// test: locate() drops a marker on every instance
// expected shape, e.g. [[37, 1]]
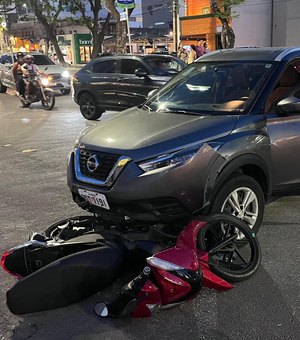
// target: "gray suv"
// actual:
[[222, 135]]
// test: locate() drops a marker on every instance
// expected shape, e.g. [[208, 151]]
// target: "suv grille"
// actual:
[[106, 164], [56, 76]]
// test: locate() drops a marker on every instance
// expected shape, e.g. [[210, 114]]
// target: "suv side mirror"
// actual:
[[139, 72], [151, 93], [289, 105]]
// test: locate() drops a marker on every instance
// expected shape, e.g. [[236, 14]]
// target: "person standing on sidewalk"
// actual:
[[200, 48], [192, 54]]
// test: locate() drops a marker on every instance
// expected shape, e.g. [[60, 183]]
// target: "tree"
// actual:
[[93, 23], [223, 11], [47, 13], [121, 38], [121, 33], [6, 6]]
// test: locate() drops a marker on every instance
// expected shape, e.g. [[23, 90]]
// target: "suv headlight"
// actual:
[[172, 160], [168, 161], [65, 74]]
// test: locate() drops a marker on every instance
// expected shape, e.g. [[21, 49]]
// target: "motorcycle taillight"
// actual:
[[3, 259]]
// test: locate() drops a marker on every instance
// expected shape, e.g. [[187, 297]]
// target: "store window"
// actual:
[[85, 53], [205, 10]]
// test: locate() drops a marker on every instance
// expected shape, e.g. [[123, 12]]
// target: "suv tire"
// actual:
[[65, 91], [234, 192], [3, 88], [88, 107]]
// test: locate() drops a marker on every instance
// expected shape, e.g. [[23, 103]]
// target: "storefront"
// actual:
[[82, 47]]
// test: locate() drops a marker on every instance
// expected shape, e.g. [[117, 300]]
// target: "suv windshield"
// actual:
[[211, 87], [40, 59], [164, 66]]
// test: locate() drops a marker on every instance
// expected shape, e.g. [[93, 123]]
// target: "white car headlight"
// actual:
[[65, 74], [168, 161]]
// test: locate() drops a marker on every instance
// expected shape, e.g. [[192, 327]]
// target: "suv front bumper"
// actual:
[[165, 196]]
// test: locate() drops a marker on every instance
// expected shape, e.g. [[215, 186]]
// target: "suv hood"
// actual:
[[139, 134], [52, 69]]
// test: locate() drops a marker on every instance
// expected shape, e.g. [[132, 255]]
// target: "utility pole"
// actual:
[[175, 24]]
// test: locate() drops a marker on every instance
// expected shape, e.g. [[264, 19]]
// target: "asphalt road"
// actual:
[[34, 146]]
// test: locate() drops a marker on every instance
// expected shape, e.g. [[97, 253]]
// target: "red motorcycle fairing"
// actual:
[[177, 274]]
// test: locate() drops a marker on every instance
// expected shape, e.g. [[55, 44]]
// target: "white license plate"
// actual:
[[94, 198]]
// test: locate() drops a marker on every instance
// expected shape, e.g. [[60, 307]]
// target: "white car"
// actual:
[[58, 76]]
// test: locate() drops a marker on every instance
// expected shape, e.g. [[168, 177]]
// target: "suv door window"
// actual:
[[105, 66], [128, 66], [287, 82]]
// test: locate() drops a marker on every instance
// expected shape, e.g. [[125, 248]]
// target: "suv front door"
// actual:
[[133, 90], [103, 82], [284, 133]]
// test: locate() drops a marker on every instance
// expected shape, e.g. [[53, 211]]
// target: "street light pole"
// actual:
[[175, 24]]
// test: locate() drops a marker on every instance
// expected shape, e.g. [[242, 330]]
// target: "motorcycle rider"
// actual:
[[18, 74], [30, 69]]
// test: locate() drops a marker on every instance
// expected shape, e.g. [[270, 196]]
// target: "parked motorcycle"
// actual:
[[39, 92], [79, 256]]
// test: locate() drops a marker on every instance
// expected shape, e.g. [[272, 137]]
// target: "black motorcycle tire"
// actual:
[[208, 239], [25, 103], [50, 102], [3, 88]]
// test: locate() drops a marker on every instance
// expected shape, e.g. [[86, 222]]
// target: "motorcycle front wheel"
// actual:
[[49, 102], [233, 249]]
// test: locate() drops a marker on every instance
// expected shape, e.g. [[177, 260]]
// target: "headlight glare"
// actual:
[[45, 81], [65, 74]]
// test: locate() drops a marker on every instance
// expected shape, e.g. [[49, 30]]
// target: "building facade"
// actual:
[[258, 23]]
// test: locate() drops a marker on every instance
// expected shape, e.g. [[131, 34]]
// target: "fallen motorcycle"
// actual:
[[77, 257], [38, 91]]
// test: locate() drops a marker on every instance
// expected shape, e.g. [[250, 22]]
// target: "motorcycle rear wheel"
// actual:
[[25, 103], [232, 257], [49, 102]]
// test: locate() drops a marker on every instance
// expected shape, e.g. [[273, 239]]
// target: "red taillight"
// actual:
[[3, 259]]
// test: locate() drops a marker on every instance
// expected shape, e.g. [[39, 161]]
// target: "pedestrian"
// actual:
[[18, 74], [182, 54], [200, 48], [206, 49], [192, 54]]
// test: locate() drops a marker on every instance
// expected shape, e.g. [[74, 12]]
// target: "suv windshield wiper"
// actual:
[[145, 106], [178, 111]]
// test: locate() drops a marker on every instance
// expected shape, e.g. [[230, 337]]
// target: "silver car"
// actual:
[[58, 76]]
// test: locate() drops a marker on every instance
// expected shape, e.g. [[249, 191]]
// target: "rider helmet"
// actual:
[[20, 55], [28, 57]]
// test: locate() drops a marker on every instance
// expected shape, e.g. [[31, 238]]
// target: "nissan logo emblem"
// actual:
[[92, 163]]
